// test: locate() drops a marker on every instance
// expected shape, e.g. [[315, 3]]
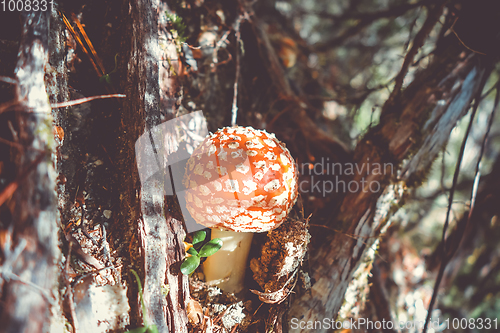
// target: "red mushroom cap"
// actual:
[[241, 179]]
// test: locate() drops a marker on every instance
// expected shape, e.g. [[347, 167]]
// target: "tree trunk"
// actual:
[[161, 249], [148, 232], [364, 213], [29, 244]]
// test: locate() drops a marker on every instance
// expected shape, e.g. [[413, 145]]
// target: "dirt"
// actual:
[[281, 257], [277, 261], [88, 197]]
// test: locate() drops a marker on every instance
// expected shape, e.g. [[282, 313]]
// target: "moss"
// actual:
[[178, 29]]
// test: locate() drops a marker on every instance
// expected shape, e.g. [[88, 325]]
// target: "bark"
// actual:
[[148, 232], [30, 249], [160, 234], [379, 299], [414, 125], [444, 91]]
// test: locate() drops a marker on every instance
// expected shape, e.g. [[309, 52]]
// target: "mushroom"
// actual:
[[238, 181]]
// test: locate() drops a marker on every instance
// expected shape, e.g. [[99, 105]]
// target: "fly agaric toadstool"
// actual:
[[238, 181]]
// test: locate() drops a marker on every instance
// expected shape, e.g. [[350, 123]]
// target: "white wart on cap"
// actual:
[[241, 179]]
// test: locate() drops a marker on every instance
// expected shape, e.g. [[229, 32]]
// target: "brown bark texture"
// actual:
[[389, 144], [147, 230], [29, 246], [160, 234]]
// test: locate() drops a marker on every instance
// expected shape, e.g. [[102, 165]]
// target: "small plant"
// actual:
[[147, 328], [177, 28], [199, 250], [106, 77]]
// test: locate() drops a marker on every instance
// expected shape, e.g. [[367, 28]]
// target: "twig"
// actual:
[[282, 112], [385, 13], [79, 41], [355, 237], [9, 80], [234, 108], [364, 20], [221, 41], [447, 256], [418, 41], [15, 101], [68, 103], [262, 303], [11, 276], [106, 252], [84, 100], [19, 146], [234, 328], [69, 291], [89, 43], [354, 98], [460, 40], [489, 91], [477, 175], [12, 187], [95, 271], [86, 258], [410, 32], [443, 173], [15, 135], [107, 154], [6, 269]]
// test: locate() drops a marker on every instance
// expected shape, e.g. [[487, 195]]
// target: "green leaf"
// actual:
[[190, 264], [105, 78], [153, 329], [139, 289], [199, 237], [211, 247], [138, 330], [192, 251]]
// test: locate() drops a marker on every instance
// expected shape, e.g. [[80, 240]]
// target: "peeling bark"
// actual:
[[391, 142]]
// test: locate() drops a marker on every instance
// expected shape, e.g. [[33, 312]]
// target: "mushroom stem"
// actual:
[[226, 268]]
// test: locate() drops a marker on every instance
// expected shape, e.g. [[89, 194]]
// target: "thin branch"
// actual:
[[385, 13], [73, 33], [364, 20], [418, 41], [234, 108], [489, 91], [219, 44], [445, 255], [339, 39], [354, 97], [477, 175], [9, 80], [460, 40], [7, 274], [20, 146], [69, 293], [9, 190], [89, 43], [410, 32], [84, 100]]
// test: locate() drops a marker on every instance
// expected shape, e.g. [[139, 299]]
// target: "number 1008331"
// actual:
[[26, 5]]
